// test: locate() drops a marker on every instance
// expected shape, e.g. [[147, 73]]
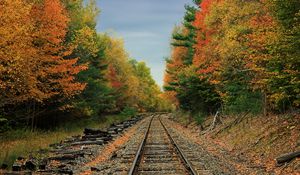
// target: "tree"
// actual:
[[97, 98], [274, 53], [174, 65], [186, 36], [194, 94], [35, 67], [205, 59], [148, 90], [39, 39], [55, 70], [121, 75], [18, 82], [181, 81], [228, 25]]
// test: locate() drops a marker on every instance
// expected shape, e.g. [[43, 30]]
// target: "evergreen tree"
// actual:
[[187, 36], [194, 94]]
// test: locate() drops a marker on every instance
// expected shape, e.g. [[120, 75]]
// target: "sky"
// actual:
[[146, 27]]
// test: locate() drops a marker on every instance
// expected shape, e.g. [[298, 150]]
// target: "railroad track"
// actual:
[[158, 153], [68, 155], [156, 147]]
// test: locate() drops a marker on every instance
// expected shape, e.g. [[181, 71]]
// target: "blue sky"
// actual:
[[145, 26]]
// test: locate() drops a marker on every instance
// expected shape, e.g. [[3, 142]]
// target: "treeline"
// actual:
[[53, 63], [236, 56]]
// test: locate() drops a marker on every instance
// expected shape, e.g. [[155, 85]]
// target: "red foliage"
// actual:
[[112, 78], [202, 59], [264, 35]]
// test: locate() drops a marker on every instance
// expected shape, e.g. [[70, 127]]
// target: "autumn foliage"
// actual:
[[54, 63], [248, 50], [203, 56], [34, 64]]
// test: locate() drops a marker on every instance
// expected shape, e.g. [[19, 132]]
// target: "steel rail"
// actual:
[[138, 155], [187, 163]]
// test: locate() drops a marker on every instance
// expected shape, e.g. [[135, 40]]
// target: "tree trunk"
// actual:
[[265, 104], [287, 157]]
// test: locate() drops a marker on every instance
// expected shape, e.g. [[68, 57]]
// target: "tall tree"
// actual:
[[274, 53], [186, 37], [174, 65], [57, 72], [18, 82], [121, 75], [205, 59], [90, 49], [193, 92], [228, 23], [148, 90]]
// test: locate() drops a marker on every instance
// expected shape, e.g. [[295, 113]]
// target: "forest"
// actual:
[[55, 65], [233, 75], [234, 57], [59, 75], [238, 60]]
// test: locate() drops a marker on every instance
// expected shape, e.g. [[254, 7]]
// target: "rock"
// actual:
[[111, 132], [86, 137], [94, 169], [120, 126], [83, 147], [30, 165], [88, 131], [20, 158], [114, 155], [61, 166], [65, 171], [4, 166], [17, 166], [70, 140], [56, 145], [43, 164], [107, 138]]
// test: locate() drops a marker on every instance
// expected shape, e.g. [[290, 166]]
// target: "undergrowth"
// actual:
[[23, 142]]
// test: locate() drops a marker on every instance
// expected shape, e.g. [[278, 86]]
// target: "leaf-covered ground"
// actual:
[[256, 141]]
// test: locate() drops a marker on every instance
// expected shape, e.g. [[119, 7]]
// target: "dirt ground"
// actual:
[[253, 142]]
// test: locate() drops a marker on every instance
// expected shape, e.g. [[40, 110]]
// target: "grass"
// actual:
[[24, 142], [263, 137], [182, 117]]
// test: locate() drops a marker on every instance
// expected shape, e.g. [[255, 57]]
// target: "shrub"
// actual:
[[199, 118], [128, 112], [3, 124]]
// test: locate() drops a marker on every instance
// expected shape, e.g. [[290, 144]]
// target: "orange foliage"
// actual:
[[171, 97], [18, 82], [264, 35], [33, 63], [112, 78], [203, 58], [51, 21], [175, 65]]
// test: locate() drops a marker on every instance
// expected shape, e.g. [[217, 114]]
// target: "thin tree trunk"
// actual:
[[265, 104], [33, 116]]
